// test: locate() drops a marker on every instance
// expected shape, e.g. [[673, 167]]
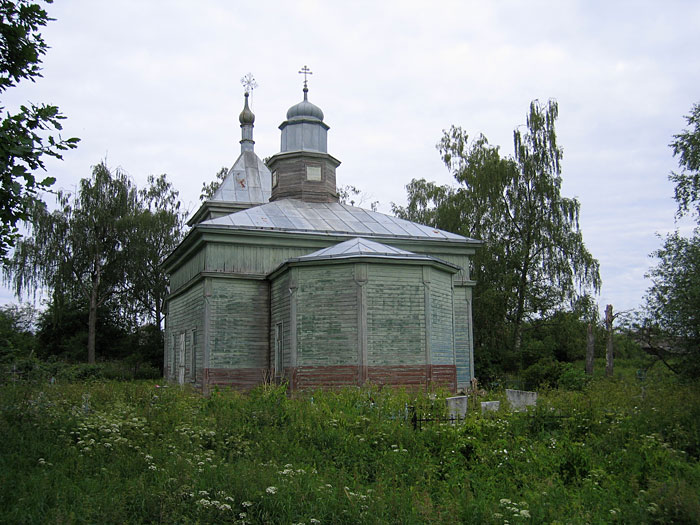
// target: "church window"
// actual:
[[313, 173], [274, 179]]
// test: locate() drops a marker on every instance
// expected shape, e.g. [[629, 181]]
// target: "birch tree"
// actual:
[[534, 259], [80, 248]]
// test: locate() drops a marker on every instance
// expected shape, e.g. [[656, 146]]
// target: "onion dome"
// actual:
[[246, 116], [305, 109]]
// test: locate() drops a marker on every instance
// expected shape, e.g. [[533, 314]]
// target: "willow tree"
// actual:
[[80, 248], [534, 260]]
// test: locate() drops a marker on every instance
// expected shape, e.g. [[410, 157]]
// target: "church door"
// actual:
[[181, 360]]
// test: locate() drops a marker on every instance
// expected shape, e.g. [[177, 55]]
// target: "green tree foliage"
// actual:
[[671, 327], [686, 146], [534, 260], [17, 331], [158, 227], [79, 250], [209, 189], [670, 324], [24, 142]]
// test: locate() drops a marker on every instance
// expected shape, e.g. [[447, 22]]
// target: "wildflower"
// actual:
[[505, 501], [203, 493], [314, 520], [271, 490], [204, 502], [247, 504], [225, 507], [242, 515], [42, 461], [152, 467], [525, 513]]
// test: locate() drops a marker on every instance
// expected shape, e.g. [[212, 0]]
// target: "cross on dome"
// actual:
[[249, 83], [305, 71]]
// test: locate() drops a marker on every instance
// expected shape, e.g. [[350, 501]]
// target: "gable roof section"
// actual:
[[358, 250], [355, 247], [295, 216]]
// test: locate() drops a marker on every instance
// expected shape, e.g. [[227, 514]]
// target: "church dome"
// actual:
[[246, 116], [305, 109]]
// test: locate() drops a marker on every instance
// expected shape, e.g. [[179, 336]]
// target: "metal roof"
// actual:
[[292, 215], [248, 180], [364, 248], [355, 247]]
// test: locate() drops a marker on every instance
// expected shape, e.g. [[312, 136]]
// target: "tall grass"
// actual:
[[619, 451]]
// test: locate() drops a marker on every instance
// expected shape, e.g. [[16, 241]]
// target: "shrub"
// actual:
[[544, 372], [572, 377]]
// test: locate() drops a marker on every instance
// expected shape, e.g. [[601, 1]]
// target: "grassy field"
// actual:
[[619, 451]]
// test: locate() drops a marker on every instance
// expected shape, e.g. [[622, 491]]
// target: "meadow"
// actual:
[[615, 450]]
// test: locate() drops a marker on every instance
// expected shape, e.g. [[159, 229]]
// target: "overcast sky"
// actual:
[[154, 87]]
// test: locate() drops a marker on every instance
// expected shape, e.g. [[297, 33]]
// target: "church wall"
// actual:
[[395, 316], [246, 258], [280, 316], [326, 316], [188, 271], [326, 327], [238, 332], [185, 324], [463, 335], [441, 329]]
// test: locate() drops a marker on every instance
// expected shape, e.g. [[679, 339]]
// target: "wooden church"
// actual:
[[278, 281]]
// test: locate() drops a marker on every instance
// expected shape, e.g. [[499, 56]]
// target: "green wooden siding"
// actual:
[[395, 315], [326, 316], [463, 335], [185, 315], [245, 258], [239, 317], [279, 313], [188, 271], [441, 341]]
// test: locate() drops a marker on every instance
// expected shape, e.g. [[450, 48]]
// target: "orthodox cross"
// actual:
[[249, 83], [305, 71]]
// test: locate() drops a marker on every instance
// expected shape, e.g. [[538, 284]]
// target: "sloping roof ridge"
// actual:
[[293, 215], [358, 246]]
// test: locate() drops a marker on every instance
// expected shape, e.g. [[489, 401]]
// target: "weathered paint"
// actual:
[[185, 322], [463, 336], [367, 316], [239, 320], [395, 315], [326, 316]]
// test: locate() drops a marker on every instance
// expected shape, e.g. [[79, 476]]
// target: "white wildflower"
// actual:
[[247, 504], [271, 490]]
